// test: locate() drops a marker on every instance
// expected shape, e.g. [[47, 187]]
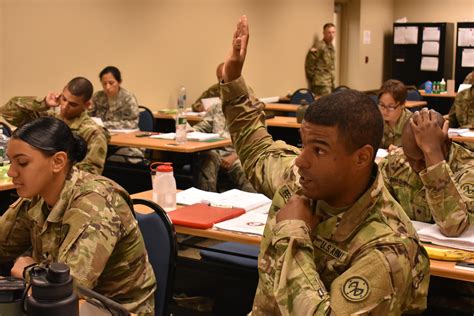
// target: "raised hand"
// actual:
[[429, 136], [52, 99], [235, 61]]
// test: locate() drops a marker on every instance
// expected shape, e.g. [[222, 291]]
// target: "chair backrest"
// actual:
[[146, 120], [341, 88], [413, 94], [302, 94], [161, 245], [374, 98], [7, 131]]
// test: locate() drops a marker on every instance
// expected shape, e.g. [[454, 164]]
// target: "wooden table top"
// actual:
[[438, 95], [130, 140], [6, 184], [445, 269]]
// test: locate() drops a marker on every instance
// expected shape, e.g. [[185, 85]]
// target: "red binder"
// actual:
[[203, 216]]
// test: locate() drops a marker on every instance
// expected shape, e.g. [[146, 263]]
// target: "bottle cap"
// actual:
[[164, 168]]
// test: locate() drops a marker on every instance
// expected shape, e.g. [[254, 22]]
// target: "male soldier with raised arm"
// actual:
[[72, 103], [432, 178], [335, 241]]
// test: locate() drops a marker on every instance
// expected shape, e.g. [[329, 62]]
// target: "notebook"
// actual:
[[202, 215]]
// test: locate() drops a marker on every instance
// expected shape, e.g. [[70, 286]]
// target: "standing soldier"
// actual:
[[319, 64]]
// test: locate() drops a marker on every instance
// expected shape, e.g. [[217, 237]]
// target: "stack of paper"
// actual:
[[198, 136], [250, 223], [463, 132], [430, 233], [123, 130], [164, 136], [232, 198]]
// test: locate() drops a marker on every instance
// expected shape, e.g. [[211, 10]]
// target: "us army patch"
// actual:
[[285, 193], [330, 249], [356, 289]]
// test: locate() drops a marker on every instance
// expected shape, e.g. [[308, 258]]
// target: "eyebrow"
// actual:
[[19, 155]]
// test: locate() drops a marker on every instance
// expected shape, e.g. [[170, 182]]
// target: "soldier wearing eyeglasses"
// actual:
[[392, 97]]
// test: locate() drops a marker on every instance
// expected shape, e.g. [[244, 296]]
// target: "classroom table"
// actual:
[[445, 269], [131, 140], [438, 95], [6, 184], [440, 102]]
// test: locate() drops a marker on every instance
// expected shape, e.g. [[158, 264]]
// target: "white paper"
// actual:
[[467, 59], [467, 134], [270, 99], [234, 198], [199, 136], [381, 153], [430, 48], [457, 131], [464, 86], [465, 37], [249, 223], [123, 130], [405, 35], [208, 102], [164, 136], [429, 63], [430, 233], [431, 34]]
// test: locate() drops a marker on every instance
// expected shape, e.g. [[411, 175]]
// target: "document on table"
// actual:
[[250, 223], [123, 130], [430, 233], [232, 198], [463, 132]]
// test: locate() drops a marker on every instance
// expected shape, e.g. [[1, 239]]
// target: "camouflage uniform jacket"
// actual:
[[214, 122], [120, 112], [469, 77], [366, 259], [212, 92], [461, 113], [20, 110], [393, 136], [320, 64], [443, 193], [91, 229]]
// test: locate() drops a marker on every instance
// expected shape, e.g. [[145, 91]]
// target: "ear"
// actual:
[[59, 161], [88, 104], [363, 157]]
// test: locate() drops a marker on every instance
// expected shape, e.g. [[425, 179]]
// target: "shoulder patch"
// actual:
[[356, 289], [285, 193], [468, 189]]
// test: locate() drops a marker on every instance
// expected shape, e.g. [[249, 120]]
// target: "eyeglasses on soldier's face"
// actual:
[[389, 107]]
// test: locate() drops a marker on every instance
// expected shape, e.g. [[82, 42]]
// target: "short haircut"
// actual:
[[81, 87], [50, 135], [408, 131], [356, 116], [396, 88], [328, 25], [111, 70]]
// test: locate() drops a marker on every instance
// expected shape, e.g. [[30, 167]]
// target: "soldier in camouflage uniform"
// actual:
[[432, 178], [469, 78], [461, 114], [71, 216], [319, 63], [392, 96], [118, 109], [225, 159], [72, 104], [335, 242]]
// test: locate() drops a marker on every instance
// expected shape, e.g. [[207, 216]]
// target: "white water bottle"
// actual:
[[181, 117], [164, 187]]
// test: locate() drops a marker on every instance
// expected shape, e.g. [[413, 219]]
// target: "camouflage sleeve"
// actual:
[[15, 236], [127, 116], [94, 161], [20, 110], [207, 122], [374, 283], [451, 203], [453, 120], [310, 64], [384, 170], [87, 248], [268, 164]]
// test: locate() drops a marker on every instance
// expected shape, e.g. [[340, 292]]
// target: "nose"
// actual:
[[11, 172], [301, 161]]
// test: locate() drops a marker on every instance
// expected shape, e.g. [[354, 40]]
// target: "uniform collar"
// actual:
[[357, 213], [76, 122], [62, 204]]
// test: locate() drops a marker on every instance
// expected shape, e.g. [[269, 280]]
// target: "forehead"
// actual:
[[17, 147], [108, 77], [330, 29], [387, 97], [71, 97], [319, 133]]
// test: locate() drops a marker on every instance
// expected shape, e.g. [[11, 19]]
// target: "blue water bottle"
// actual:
[[428, 87]]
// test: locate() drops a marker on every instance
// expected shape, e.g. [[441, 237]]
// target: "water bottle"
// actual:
[[181, 117], [164, 185], [428, 87], [52, 292]]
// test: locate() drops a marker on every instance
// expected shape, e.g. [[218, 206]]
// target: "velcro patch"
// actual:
[[356, 289]]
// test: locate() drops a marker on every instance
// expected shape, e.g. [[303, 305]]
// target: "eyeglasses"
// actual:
[[390, 107]]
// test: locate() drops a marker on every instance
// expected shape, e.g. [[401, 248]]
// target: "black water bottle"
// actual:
[[52, 292]]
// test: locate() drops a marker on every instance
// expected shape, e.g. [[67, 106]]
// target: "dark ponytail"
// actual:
[[51, 135]]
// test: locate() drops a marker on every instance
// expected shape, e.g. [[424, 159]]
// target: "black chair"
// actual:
[[302, 94], [374, 98], [341, 88], [7, 131], [160, 241], [413, 94], [146, 120]]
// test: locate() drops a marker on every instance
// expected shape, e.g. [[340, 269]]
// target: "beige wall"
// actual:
[[435, 10], [158, 44]]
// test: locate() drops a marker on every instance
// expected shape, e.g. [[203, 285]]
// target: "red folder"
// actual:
[[203, 216]]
